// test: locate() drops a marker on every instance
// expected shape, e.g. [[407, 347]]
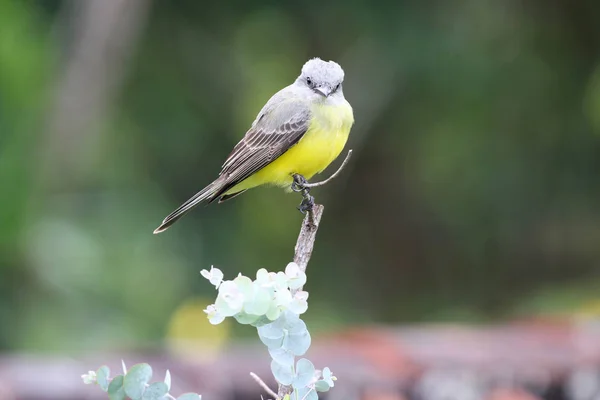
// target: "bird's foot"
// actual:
[[298, 185], [307, 204]]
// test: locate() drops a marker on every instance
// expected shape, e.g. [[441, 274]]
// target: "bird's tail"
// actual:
[[208, 194]]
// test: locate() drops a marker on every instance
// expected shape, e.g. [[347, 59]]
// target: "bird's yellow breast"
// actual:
[[321, 144]]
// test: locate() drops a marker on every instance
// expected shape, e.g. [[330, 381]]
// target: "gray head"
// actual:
[[323, 77]]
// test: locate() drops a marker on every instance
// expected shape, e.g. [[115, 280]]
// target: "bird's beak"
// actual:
[[323, 91]]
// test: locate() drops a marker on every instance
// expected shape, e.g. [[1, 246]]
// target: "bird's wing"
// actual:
[[280, 125], [275, 131]]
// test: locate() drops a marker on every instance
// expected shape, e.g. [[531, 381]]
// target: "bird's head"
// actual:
[[322, 77]]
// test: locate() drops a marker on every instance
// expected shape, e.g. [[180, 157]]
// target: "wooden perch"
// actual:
[[302, 253], [306, 238]]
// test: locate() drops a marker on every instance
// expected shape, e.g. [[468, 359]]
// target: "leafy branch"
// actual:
[[272, 303], [134, 384]]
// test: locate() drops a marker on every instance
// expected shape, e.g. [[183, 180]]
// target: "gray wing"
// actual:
[[282, 122], [279, 126]]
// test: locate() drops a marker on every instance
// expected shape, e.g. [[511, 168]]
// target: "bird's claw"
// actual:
[[307, 204], [298, 185]]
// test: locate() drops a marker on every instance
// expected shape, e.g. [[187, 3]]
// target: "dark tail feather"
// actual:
[[209, 193], [226, 197]]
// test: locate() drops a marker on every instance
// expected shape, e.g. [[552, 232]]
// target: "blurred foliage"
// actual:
[[474, 184], [134, 384], [192, 336]]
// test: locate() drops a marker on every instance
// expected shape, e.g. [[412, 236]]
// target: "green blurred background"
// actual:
[[473, 194]]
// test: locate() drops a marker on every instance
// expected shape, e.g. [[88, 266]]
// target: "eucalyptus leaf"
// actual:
[[245, 286], [297, 343], [328, 377], [305, 373], [271, 335], [282, 356], [136, 379], [260, 303], [245, 318], [322, 386], [102, 375], [274, 313], [284, 374], [293, 324], [155, 391], [115, 388], [288, 320], [225, 309], [263, 320]]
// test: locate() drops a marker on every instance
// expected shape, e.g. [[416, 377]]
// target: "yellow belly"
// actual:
[[322, 143]]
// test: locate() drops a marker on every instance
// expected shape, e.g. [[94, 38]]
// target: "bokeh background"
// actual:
[[472, 198]]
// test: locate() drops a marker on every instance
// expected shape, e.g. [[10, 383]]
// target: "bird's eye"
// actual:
[[337, 87], [309, 81]]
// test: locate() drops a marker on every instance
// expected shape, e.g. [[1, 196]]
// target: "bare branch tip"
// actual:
[[262, 384]]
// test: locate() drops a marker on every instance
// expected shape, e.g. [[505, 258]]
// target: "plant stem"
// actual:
[[302, 254]]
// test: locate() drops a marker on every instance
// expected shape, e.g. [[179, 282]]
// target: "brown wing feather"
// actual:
[[258, 148], [282, 122]]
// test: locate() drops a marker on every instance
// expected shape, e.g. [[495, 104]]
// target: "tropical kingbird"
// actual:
[[300, 131]]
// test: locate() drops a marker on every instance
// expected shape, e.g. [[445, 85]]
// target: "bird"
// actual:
[[297, 134]]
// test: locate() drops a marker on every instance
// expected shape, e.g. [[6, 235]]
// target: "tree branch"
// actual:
[[263, 385], [302, 254], [307, 236]]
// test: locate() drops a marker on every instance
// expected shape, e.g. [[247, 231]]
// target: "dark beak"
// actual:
[[323, 91]]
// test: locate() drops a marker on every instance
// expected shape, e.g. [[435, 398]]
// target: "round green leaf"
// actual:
[[245, 318], [322, 386], [115, 388], [102, 377], [293, 323], [284, 374], [155, 391], [271, 335], [263, 320], [136, 379], [260, 303], [273, 313], [328, 377], [305, 372], [297, 281], [297, 342], [245, 285], [282, 356], [289, 320], [189, 396]]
